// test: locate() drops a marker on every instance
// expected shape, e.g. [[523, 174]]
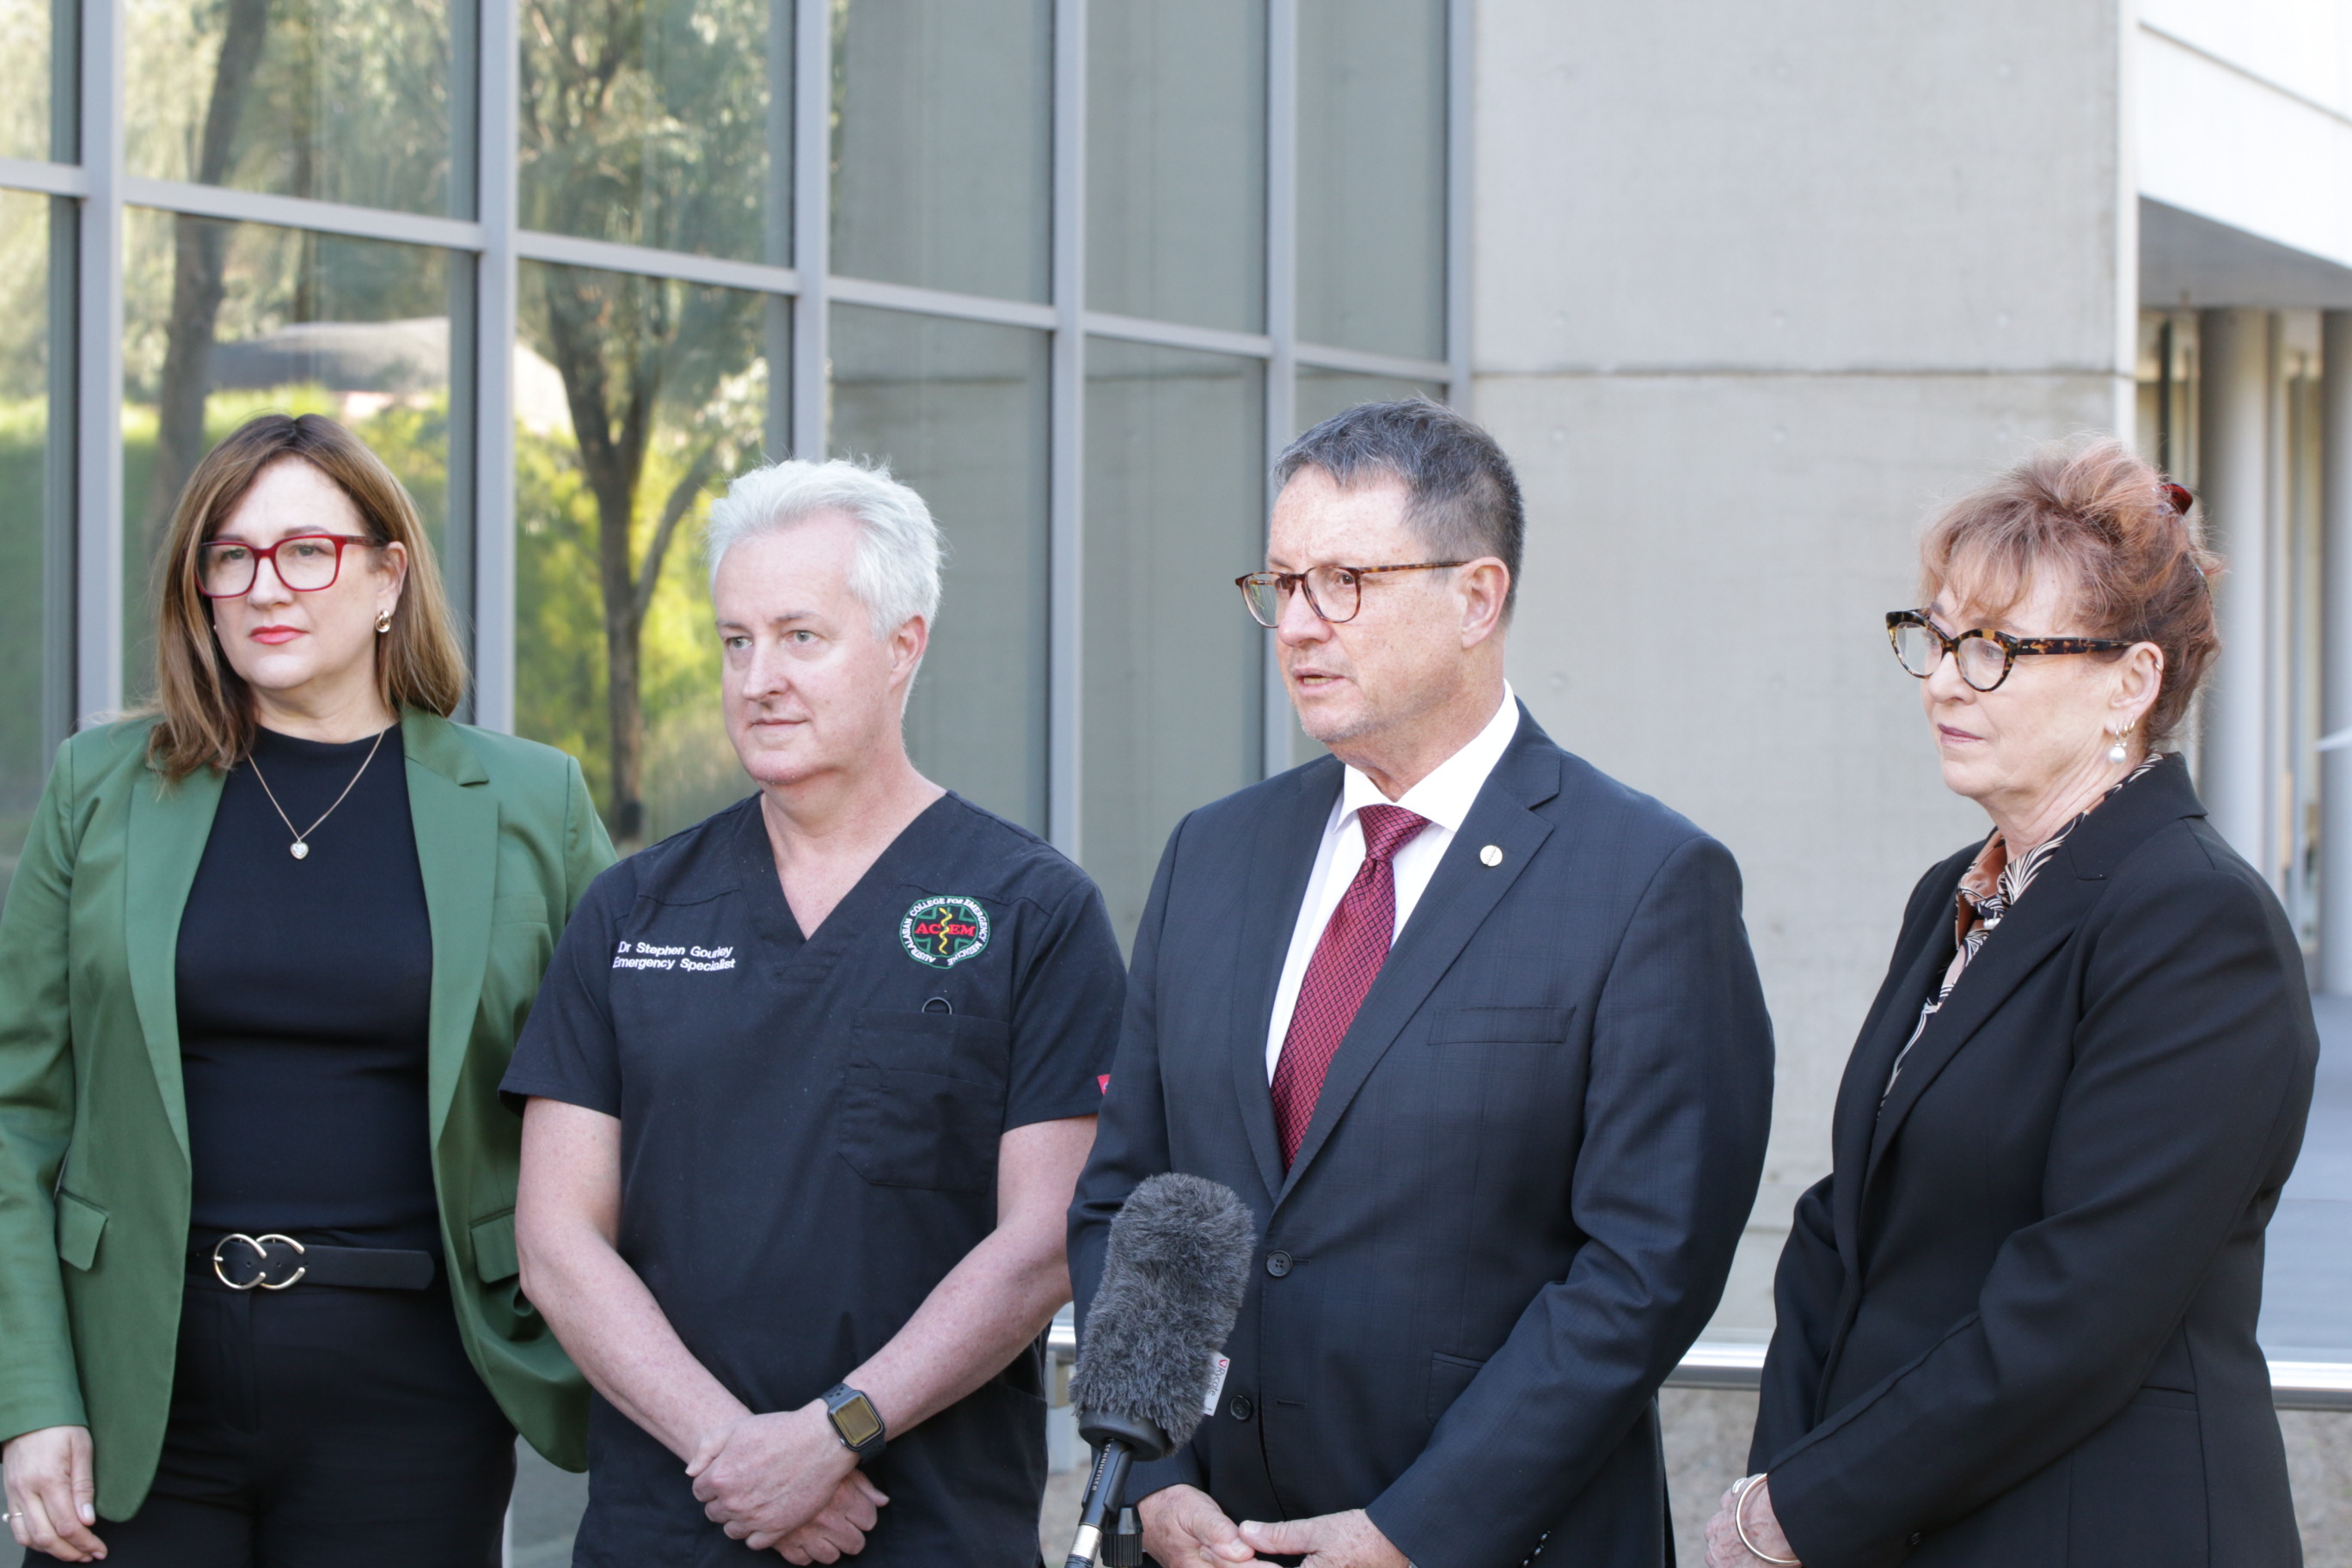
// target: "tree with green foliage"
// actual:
[[263, 124], [198, 278], [644, 122], [652, 374]]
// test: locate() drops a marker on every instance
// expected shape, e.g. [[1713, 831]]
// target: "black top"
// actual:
[[809, 1138], [305, 988], [2016, 1323]]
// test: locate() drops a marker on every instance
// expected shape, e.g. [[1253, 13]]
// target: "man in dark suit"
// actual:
[[1475, 1031]]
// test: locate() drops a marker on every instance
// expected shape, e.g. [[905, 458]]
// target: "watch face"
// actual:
[[856, 1421]]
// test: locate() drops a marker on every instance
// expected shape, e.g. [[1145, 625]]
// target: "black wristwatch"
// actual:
[[855, 1421]]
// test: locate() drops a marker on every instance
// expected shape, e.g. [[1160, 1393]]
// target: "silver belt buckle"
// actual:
[[261, 1246]]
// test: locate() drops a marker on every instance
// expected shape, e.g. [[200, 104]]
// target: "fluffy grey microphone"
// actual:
[[1173, 1277], [1173, 1281]]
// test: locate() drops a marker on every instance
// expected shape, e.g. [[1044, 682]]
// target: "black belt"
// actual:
[[276, 1262]]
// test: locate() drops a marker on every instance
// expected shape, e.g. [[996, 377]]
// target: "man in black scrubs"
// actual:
[[808, 1088]]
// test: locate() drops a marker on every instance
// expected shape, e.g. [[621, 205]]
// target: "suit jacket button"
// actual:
[[1917, 1538], [1277, 1264], [1241, 1408]]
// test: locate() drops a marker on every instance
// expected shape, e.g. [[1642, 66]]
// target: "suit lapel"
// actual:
[[169, 825], [2043, 919], [455, 819], [1458, 900], [2046, 916], [1282, 857], [1929, 942]]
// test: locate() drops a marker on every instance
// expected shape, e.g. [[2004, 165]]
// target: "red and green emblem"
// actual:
[[941, 932]]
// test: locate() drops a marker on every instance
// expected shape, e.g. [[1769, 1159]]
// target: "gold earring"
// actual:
[[382, 622], [2115, 752]]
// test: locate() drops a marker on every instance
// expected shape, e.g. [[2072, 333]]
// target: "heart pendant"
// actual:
[[299, 850]]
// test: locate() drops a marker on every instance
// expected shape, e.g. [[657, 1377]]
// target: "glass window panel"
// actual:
[[348, 101], [636, 400], [943, 149], [957, 410], [1174, 666], [227, 321], [660, 122], [35, 526], [1324, 393], [1371, 175], [29, 108], [1176, 160]]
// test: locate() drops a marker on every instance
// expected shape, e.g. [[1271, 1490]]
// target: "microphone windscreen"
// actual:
[[1174, 1277]]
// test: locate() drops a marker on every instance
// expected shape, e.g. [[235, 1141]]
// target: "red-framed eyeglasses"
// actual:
[[306, 563]]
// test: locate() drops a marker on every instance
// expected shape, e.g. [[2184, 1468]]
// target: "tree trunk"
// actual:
[[612, 462], [199, 249], [624, 710]]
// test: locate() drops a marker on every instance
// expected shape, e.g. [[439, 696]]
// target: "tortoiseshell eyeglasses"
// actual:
[[1985, 656], [1334, 593]]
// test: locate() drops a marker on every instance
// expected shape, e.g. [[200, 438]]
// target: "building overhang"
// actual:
[[2190, 262]]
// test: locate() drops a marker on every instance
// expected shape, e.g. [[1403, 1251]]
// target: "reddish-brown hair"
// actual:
[[206, 709], [2106, 524]]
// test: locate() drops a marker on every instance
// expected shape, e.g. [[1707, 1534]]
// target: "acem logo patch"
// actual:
[[941, 932]]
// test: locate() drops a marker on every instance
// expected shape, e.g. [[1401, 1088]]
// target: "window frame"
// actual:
[[88, 53]]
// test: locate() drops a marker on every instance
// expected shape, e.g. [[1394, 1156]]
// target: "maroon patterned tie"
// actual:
[[1347, 960]]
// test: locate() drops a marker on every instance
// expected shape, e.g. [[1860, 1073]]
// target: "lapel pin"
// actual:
[[1491, 855]]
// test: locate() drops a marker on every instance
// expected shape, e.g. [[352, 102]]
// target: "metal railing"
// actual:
[[1723, 1364]]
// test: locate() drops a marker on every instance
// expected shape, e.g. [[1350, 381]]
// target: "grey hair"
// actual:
[[896, 575], [1462, 499]]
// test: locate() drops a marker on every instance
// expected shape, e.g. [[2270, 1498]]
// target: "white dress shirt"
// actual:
[[1444, 798]]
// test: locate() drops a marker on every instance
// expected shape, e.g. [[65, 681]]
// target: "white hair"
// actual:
[[895, 573]]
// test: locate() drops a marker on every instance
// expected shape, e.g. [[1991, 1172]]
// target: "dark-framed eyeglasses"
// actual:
[[1985, 656], [305, 562], [1334, 593]]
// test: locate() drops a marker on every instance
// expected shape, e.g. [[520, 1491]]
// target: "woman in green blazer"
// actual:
[[261, 966]]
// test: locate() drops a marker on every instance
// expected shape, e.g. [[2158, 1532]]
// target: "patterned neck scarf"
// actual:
[[1989, 890]]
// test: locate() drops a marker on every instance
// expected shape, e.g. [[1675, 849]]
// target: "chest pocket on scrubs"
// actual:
[[923, 1099]]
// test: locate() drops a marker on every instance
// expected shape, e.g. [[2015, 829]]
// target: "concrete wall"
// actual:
[[1755, 286]]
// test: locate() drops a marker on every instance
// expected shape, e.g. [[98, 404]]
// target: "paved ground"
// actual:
[[2307, 1292], [547, 1504]]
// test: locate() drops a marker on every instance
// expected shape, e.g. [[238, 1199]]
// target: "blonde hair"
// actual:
[[205, 709]]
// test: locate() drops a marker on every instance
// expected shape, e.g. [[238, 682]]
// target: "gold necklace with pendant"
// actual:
[[301, 848]]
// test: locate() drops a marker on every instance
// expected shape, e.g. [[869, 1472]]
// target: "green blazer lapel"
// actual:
[[455, 817], [168, 827]]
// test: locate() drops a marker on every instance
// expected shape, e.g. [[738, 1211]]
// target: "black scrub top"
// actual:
[[809, 1136]]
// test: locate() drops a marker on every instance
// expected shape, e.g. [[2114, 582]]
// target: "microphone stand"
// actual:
[[1119, 1441]]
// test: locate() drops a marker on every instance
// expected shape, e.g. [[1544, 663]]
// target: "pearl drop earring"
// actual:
[[2115, 752]]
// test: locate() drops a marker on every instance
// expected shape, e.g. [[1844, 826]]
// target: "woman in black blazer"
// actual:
[[2017, 1321]]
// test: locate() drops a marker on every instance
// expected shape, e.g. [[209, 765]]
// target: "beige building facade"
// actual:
[[1756, 288]]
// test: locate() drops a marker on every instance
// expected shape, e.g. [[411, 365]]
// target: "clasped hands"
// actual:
[[1185, 1528], [785, 1481]]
